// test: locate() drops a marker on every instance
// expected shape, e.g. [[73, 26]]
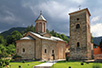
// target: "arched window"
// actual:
[[23, 50], [52, 51], [45, 50], [77, 26], [78, 44], [77, 19]]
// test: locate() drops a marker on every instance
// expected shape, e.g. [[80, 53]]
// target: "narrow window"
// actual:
[[23, 50], [77, 26], [78, 45], [77, 19], [45, 50], [52, 51]]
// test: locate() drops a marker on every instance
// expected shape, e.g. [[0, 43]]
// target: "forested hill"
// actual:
[[24, 30], [97, 40], [8, 32]]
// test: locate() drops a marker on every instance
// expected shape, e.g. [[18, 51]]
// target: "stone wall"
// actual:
[[28, 46], [49, 46], [98, 56], [38, 46], [58, 47], [81, 35]]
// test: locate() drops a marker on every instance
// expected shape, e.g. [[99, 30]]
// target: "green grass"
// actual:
[[24, 65], [75, 64]]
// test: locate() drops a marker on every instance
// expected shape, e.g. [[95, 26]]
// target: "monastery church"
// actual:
[[40, 45]]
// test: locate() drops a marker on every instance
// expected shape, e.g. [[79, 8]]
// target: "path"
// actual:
[[46, 65]]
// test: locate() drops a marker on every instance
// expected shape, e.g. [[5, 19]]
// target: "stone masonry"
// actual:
[[80, 38]]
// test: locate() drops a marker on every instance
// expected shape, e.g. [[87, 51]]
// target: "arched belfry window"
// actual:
[[77, 26], [78, 44]]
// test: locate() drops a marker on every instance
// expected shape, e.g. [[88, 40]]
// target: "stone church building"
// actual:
[[80, 36], [40, 45]]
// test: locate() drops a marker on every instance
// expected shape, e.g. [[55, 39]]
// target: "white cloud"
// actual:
[[96, 30], [78, 1], [94, 19]]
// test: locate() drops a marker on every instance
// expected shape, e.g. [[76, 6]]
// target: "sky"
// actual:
[[23, 13]]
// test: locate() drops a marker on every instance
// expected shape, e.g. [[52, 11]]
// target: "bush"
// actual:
[[82, 63], [7, 62], [23, 61], [12, 60], [16, 56], [33, 59], [19, 66], [69, 67], [3, 63]]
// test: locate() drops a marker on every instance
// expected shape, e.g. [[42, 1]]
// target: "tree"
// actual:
[[15, 35], [11, 49], [47, 31], [2, 40], [3, 52], [52, 32], [29, 28]]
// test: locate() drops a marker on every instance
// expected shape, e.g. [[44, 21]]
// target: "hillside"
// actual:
[[8, 32], [97, 40]]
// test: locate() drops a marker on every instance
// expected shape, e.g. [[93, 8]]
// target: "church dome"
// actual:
[[40, 17]]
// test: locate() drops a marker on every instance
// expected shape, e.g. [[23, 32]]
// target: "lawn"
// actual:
[[24, 65], [74, 64]]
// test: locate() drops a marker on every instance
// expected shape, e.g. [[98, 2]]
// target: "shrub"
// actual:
[[23, 61], [19, 66], [3, 63], [82, 63], [33, 59], [7, 62], [16, 56], [12, 60]]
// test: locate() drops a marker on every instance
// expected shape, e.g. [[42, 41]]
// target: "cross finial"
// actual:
[[79, 7], [40, 12]]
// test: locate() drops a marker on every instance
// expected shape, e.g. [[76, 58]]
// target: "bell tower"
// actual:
[[80, 37], [40, 26]]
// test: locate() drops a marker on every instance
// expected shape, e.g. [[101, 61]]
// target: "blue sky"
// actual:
[[21, 13]]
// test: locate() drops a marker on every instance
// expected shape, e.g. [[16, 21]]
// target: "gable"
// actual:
[[46, 35], [33, 36]]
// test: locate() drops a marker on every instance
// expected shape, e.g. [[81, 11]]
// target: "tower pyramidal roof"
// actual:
[[40, 17]]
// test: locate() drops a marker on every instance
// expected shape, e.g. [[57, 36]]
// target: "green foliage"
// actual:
[[11, 49], [29, 28], [7, 62], [16, 56], [2, 40], [24, 65], [15, 35], [3, 52], [12, 60], [3, 63], [23, 61]]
